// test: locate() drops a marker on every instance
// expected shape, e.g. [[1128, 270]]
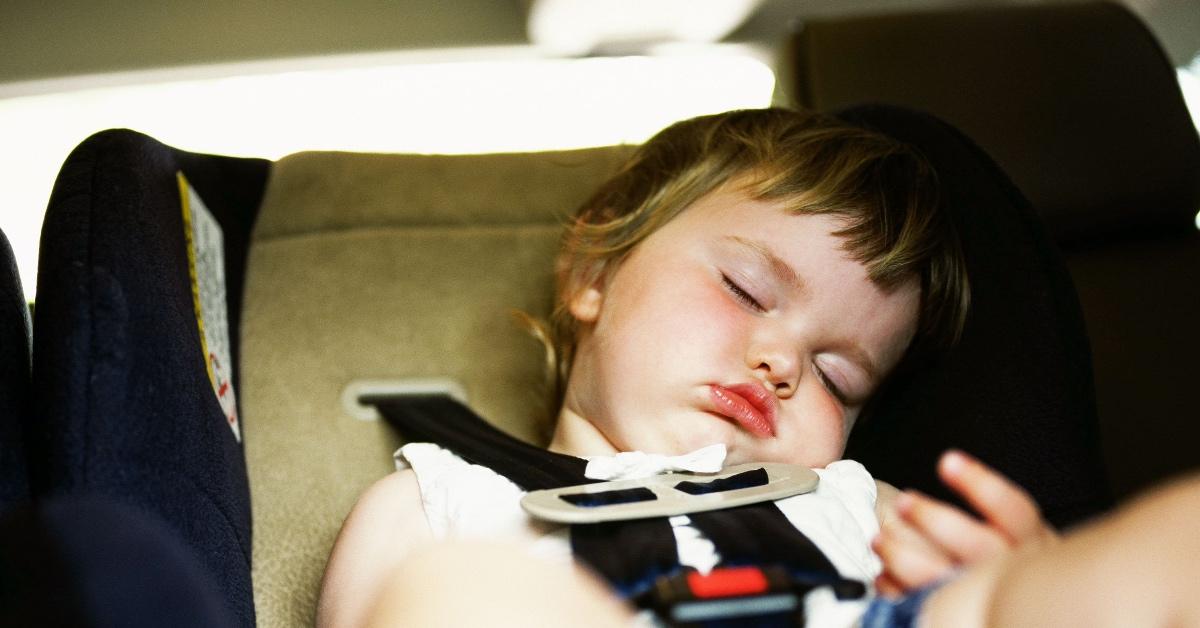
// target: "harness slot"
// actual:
[[746, 479], [608, 498]]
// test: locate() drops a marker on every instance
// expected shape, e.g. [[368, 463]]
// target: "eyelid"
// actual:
[[850, 380], [777, 268], [740, 293], [829, 384]]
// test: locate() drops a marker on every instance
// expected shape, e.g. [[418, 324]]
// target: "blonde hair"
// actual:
[[885, 191]]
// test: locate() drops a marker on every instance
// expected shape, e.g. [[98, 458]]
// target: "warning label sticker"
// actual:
[[206, 267]]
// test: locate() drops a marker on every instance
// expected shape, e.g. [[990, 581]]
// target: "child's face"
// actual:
[[736, 323]]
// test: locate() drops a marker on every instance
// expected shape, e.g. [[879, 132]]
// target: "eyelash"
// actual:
[[740, 294], [829, 385]]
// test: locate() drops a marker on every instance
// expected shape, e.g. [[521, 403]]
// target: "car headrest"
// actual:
[[1077, 102]]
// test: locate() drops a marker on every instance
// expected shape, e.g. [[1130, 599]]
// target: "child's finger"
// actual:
[[898, 531], [1004, 504], [886, 586], [956, 533], [909, 564]]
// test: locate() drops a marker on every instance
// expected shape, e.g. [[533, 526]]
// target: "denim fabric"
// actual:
[[899, 612]]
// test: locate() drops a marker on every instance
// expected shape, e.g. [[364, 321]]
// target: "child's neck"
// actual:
[[576, 436]]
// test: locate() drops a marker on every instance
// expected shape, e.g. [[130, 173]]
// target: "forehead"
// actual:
[[762, 226]]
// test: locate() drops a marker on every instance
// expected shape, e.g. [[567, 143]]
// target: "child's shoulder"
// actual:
[[384, 526], [460, 498], [439, 470], [389, 504]]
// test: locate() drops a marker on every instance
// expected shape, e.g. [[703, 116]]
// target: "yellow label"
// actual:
[[206, 271]]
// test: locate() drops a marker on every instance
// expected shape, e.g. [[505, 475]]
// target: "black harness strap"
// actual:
[[749, 535], [760, 533], [442, 420], [649, 543], [647, 551]]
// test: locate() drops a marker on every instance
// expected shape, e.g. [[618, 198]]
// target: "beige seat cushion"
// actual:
[[385, 267]]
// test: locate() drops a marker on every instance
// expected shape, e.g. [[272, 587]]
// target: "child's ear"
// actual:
[[585, 305]]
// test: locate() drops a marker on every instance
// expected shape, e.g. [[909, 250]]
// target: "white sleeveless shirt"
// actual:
[[468, 501]]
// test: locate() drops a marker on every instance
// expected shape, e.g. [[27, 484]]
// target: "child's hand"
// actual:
[[930, 539]]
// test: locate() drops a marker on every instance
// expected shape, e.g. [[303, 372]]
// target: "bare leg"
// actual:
[[492, 584]]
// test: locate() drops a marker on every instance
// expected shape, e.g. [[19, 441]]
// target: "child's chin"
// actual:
[[714, 431], [735, 454]]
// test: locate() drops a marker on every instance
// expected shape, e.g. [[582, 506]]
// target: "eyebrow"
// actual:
[[779, 268], [788, 275]]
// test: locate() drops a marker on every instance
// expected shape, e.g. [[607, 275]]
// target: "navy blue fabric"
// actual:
[[15, 397], [901, 612], [1017, 391], [92, 562], [121, 387]]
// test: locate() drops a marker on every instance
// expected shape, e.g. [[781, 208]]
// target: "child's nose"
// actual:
[[779, 369]]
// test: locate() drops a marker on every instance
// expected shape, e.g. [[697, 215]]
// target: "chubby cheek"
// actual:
[[696, 321], [821, 437], [715, 318]]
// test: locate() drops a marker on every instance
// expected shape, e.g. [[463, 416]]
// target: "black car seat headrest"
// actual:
[[1017, 389]]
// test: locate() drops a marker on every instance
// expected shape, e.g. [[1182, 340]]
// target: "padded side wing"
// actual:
[[121, 379], [15, 397]]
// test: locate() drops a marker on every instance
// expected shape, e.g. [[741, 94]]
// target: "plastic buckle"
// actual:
[[733, 596], [667, 495]]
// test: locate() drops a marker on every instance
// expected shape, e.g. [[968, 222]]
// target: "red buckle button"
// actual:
[[728, 582]]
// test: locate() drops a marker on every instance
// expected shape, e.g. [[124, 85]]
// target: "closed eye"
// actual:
[[741, 295], [830, 386]]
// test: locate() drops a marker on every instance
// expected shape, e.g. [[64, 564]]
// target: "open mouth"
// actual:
[[749, 405]]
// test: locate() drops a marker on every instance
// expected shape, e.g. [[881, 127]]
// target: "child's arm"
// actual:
[[385, 525], [495, 584], [1135, 568], [885, 500], [928, 540]]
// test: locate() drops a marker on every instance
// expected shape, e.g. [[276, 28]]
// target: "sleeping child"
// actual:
[[735, 294]]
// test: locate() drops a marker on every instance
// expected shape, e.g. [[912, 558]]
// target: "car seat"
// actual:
[[1079, 104], [15, 342], [93, 560], [125, 404], [353, 278], [369, 273], [378, 272]]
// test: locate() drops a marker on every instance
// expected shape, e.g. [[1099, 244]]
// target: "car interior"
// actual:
[[1067, 156]]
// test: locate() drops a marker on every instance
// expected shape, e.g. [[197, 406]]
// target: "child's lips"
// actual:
[[749, 405]]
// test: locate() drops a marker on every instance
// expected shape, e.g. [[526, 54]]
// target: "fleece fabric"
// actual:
[[125, 407]]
